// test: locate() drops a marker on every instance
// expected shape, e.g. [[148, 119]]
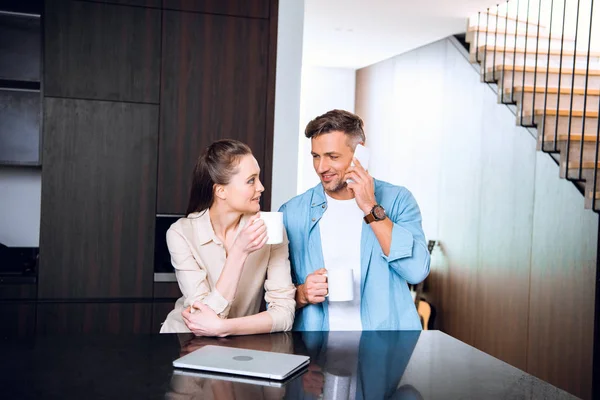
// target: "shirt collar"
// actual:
[[205, 229], [318, 196]]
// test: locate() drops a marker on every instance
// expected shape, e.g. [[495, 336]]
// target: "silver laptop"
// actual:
[[250, 380], [230, 360]]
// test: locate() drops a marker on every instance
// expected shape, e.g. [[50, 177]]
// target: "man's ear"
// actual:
[[219, 191]]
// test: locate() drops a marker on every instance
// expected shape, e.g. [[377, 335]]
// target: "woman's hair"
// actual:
[[216, 165]]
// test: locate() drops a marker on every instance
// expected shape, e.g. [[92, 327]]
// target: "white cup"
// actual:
[[336, 387], [340, 284], [274, 223]]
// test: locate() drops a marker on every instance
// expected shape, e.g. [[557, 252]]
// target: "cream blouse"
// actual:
[[198, 257]]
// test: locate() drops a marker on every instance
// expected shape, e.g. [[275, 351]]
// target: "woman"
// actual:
[[219, 252]]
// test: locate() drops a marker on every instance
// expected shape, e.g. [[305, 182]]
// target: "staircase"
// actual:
[[543, 58]]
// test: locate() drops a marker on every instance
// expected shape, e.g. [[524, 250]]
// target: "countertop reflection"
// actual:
[[344, 365]]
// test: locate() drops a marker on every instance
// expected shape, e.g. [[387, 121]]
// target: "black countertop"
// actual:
[[348, 365]]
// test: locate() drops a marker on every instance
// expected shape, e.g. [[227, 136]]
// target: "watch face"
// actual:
[[379, 212]]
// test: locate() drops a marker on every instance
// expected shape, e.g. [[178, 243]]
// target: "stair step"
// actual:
[[489, 55], [527, 99], [558, 123], [554, 90], [514, 77], [566, 113], [575, 137], [498, 43], [587, 170], [541, 51], [584, 165], [489, 19], [589, 143], [471, 35], [513, 18], [543, 69]]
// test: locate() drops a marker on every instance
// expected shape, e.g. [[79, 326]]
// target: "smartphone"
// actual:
[[361, 153]]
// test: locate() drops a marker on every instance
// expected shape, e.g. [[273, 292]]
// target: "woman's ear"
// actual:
[[219, 191]]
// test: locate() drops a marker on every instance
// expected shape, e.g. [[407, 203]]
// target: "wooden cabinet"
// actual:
[[246, 8], [214, 85], [17, 309], [98, 199], [133, 91], [101, 51], [94, 318], [140, 3]]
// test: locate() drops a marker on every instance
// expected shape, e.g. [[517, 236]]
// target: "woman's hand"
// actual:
[[204, 321], [252, 237]]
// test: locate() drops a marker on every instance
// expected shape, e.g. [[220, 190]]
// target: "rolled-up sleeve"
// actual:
[[192, 277], [279, 290], [409, 255]]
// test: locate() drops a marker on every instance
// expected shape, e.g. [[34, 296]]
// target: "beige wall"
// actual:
[[515, 277]]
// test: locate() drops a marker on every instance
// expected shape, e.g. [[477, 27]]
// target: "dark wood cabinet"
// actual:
[[132, 94], [214, 85], [94, 318], [166, 290], [17, 309], [101, 51], [247, 8], [139, 3], [98, 199], [18, 318]]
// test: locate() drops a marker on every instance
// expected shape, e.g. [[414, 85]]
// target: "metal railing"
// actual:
[[573, 17]]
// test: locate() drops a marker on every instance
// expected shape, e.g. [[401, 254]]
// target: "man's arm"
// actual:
[[408, 254], [400, 235]]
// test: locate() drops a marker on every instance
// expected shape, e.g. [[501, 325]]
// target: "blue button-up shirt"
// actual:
[[386, 302]]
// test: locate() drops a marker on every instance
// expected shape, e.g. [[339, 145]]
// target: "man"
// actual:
[[368, 225]]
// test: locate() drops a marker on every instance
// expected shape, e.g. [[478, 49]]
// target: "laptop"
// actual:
[[187, 373], [230, 360]]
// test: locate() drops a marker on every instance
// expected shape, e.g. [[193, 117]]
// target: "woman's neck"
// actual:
[[224, 220]]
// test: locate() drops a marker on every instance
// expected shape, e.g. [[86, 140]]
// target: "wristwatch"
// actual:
[[377, 214]]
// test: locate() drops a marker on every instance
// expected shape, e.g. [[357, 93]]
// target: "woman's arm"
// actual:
[[252, 237], [192, 277], [280, 291], [205, 322]]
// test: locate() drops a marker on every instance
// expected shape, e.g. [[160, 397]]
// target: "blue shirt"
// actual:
[[386, 302]]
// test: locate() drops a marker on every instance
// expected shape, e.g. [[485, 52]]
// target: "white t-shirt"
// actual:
[[340, 228]]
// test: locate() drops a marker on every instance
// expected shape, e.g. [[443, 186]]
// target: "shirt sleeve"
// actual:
[[409, 255], [192, 277], [279, 290]]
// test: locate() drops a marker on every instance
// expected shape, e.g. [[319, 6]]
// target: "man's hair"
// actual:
[[337, 120]]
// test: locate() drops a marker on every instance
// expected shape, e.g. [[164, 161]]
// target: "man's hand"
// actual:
[[313, 290], [204, 321], [314, 380], [363, 186]]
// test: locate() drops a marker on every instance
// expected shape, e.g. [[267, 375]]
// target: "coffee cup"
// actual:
[[274, 223], [340, 284]]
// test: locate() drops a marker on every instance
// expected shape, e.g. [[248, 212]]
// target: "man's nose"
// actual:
[[322, 166]]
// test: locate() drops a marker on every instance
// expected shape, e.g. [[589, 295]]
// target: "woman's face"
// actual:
[[243, 191]]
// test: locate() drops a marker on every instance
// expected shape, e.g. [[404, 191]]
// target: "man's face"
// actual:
[[332, 156]]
